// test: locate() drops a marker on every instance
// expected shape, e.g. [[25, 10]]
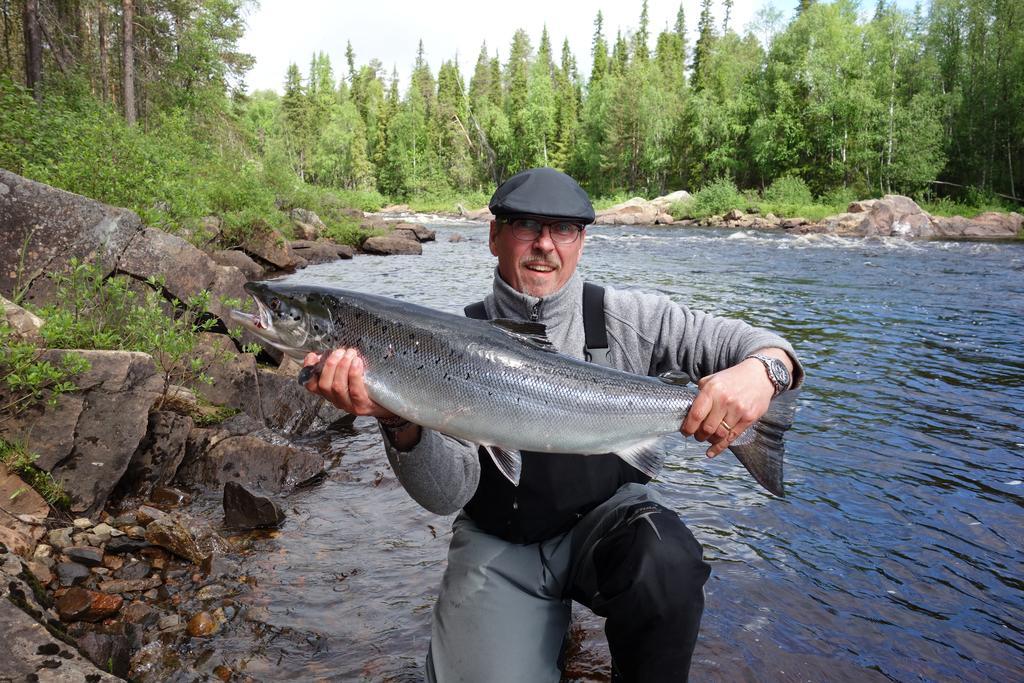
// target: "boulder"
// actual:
[[861, 206], [248, 460], [399, 208], [734, 215], [419, 232], [664, 219], [88, 439], [235, 258], [666, 201], [18, 498], [43, 228], [990, 225], [307, 223], [635, 211], [156, 460], [391, 245], [270, 246], [246, 510], [34, 654], [321, 251], [483, 214]]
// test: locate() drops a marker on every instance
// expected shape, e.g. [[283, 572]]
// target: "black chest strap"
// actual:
[[594, 330]]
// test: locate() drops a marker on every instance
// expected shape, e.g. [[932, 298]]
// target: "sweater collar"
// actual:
[[559, 305]]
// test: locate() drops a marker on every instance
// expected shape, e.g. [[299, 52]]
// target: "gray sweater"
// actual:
[[648, 334]]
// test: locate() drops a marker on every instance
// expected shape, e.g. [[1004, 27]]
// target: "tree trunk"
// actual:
[[128, 55], [104, 55], [33, 49]]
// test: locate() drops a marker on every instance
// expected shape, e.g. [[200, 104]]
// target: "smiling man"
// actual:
[[577, 527]]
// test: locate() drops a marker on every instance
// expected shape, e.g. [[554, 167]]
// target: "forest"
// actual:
[[142, 103]]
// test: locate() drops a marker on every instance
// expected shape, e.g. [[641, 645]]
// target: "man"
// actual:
[[577, 527]]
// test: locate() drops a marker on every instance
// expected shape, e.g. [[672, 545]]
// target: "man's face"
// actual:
[[539, 267]]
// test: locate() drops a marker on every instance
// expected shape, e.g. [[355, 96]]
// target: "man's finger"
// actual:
[[698, 411]]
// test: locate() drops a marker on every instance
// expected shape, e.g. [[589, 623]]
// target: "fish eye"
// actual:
[[275, 304]]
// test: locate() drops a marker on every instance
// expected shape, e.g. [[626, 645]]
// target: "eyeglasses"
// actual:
[[529, 229]]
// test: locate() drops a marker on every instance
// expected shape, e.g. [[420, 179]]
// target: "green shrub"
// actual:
[[28, 379], [715, 198], [788, 190], [95, 312]]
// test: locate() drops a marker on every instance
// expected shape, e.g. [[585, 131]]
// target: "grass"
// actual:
[[21, 462]]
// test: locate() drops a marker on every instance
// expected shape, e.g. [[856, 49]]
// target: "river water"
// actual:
[[897, 553]]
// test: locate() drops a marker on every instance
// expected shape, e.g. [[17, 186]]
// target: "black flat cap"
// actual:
[[542, 192]]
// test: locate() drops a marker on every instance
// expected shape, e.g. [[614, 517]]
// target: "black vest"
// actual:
[[555, 489]]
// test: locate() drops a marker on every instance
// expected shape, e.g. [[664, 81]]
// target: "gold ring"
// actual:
[[727, 426]]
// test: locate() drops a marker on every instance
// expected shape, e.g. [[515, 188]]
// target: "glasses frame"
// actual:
[[515, 223]]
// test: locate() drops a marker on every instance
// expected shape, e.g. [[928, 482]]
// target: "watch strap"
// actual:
[[772, 367]]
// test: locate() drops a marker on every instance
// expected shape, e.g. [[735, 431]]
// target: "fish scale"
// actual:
[[497, 383]]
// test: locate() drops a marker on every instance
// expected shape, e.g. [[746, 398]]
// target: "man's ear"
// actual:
[[493, 236]]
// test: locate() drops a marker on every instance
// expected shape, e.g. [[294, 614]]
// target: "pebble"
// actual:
[[82, 523], [124, 520], [87, 555], [202, 625], [211, 592], [152, 594], [43, 550], [31, 519], [71, 573], [137, 532], [60, 538], [168, 622]]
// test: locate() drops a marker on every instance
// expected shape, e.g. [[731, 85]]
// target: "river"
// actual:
[[897, 553]]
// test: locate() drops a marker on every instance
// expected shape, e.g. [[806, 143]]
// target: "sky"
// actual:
[[281, 32]]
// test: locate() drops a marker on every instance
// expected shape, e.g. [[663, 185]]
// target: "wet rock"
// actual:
[[126, 544], [79, 604], [175, 538], [214, 591], [246, 510], [251, 461], [202, 625], [168, 496], [156, 460], [218, 565], [147, 514], [71, 573], [87, 440], [32, 654], [112, 652], [414, 231], [133, 570], [130, 585], [391, 245], [141, 614], [85, 555], [455, 237]]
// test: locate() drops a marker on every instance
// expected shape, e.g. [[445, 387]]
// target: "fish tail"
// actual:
[[761, 452]]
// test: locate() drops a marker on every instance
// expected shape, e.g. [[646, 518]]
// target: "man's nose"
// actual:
[[543, 239]]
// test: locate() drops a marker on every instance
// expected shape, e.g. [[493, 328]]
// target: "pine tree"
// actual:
[[599, 51]]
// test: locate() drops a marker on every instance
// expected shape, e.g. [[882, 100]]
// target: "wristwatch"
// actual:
[[778, 374]]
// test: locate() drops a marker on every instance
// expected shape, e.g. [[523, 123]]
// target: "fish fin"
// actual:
[[761, 452], [509, 463], [308, 372], [644, 457], [532, 334], [675, 377]]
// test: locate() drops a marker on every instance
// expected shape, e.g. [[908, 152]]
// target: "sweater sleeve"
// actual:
[[670, 336], [440, 473]]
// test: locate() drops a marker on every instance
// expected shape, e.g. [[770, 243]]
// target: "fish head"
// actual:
[[286, 318]]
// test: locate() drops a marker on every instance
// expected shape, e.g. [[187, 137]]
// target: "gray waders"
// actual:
[[503, 611]]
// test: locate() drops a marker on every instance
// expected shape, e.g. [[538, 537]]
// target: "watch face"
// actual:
[[779, 373]]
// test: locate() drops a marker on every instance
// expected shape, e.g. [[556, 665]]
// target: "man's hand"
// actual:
[[728, 402], [341, 383]]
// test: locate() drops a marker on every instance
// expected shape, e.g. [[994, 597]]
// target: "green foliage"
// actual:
[[96, 312], [17, 459], [28, 379], [715, 198], [788, 190]]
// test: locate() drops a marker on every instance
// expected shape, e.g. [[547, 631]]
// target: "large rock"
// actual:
[[159, 454], [18, 498], [636, 211], [32, 654], [307, 224], [174, 537], [88, 439], [248, 460], [270, 246], [990, 225], [665, 202], [420, 233], [246, 510], [80, 604], [483, 214], [322, 251], [43, 228], [391, 245], [238, 259]]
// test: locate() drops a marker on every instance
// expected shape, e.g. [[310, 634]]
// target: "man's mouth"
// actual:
[[540, 267]]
